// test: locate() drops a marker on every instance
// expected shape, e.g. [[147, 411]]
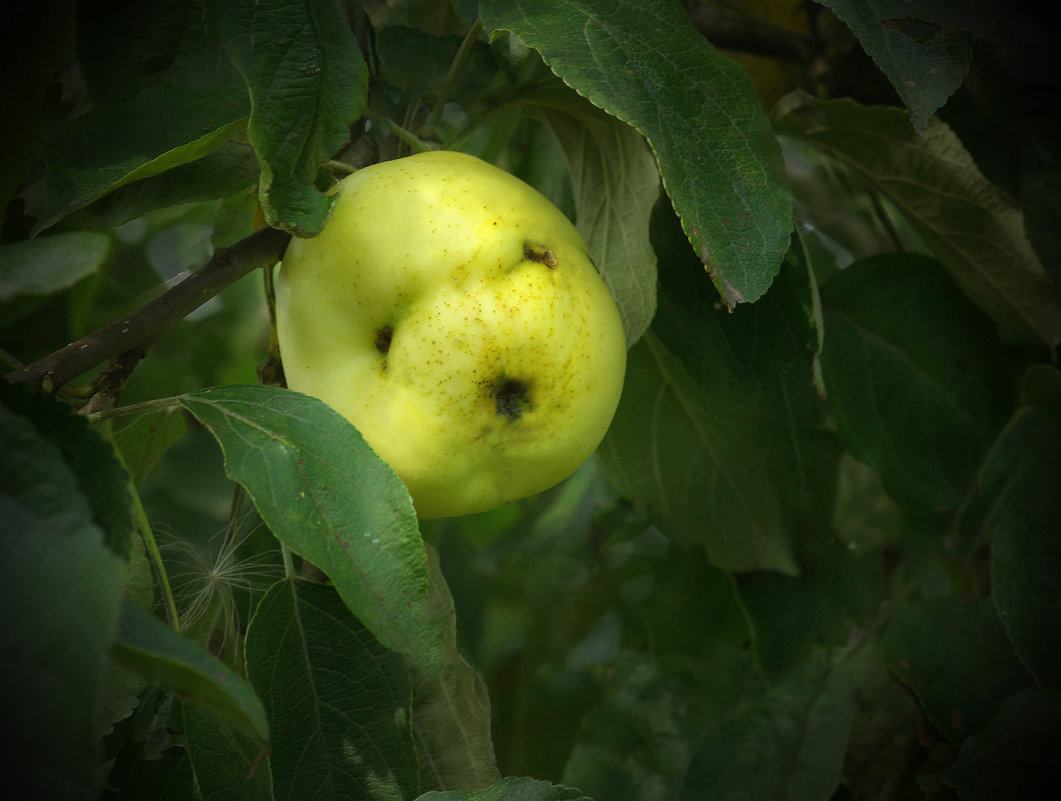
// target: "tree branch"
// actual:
[[141, 328]]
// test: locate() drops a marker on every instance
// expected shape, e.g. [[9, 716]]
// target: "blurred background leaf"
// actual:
[[1018, 480], [972, 227], [689, 456], [915, 376], [924, 48], [1014, 756], [939, 647], [788, 743]]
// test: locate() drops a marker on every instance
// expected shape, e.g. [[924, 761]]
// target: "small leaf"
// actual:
[[616, 185], [971, 226], [511, 789], [696, 461], [923, 51], [788, 744], [940, 647], [330, 499], [145, 440], [644, 63], [915, 376], [36, 268], [148, 646], [307, 83], [1014, 757]]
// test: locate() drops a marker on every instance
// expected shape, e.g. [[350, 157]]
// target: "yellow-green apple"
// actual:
[[453, 315]]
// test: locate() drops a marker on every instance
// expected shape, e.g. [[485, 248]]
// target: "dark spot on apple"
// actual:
[[383, 339], [510, 398], [539, 253]]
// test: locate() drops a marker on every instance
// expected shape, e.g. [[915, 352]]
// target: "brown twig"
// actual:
[[108, 386], [140, 329]]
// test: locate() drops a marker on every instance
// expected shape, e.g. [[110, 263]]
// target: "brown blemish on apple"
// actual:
[[383, 339], [510, 398], [539, 253]]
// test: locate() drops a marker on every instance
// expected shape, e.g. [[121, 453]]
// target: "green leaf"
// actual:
[[307, 83], [971, 226], [616, 185], [228, 169], [60, 588], [1014, 757], [100, 477], [35, 268], [644, 63], [790, 617], [51, 263], [451, 705], [915, 375], [119, 143], [790, 743], [1019, 480], [338, 701], [330, 499], [762, 357], [924, 48], [145, 440], [147, 645], [695, 460], [511, 789], [940, 648], [225, 765]]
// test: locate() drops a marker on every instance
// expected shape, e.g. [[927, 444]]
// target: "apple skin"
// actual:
[[452, 314]]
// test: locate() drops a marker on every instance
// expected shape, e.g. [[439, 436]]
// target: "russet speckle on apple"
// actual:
[[453, 315]]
